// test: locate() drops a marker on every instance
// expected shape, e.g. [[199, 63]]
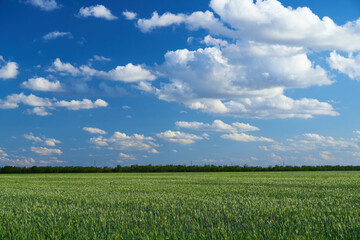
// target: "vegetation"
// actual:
[[256, 205], [172, 168]]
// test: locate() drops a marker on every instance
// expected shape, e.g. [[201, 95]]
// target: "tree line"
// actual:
[[171, 168]]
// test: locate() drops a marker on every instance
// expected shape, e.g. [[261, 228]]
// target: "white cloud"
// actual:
[[270, 21], [276, 158], [248, 75], [193, 21], [349, 66], [46, 151], [42, 84], [94, 130], [99, 141], [42, 105], [16, 160], [42, 140], [243, 80], [146, 87], [245, 127], [326, 155], [31, 137], [3, 154], [8, 69], [98, 11], [265, 21], [313, 141], [210, 41], [242, 137], [121, 141], [254, 159], [127, 73], [178, 137], [127, 156], [153, 150], [83, 104], [217, 126], [51, 142], [49, 162], [99, 59], [13, 101], [40, 111], [56, 34], [129, 15], [46, 5], [66, 68], [315, 149]]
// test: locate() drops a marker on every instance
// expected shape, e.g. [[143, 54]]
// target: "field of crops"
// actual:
[[277, 205]]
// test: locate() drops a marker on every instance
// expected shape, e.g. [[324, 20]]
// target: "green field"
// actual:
[[276, 205]]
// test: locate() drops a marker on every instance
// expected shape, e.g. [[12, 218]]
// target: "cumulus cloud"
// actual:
[[31, 137], [46, 5], [216, 126], [40, 111], [194, 21], [51, 142], [313, 141], [265, 21], [244, 127], [270, 21], [42, 84], [242, 137], [42, 105], [127, 156], [81, 104], [153, 150], [66, 68], [178, 137], [129, 15], [13, 101], [313, 148], [8, 69], [17, 160], [94, 130], [127, 73], [243, 80], [97, 11], [347, 65], [268, 54], [56, 34], [210, 41], [46, 151], [121, 141], [42, 140]]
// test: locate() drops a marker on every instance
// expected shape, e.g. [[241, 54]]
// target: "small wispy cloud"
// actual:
[[46, 5], [56, 34]]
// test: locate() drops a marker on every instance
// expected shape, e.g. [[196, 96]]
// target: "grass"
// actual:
[[276, 205]]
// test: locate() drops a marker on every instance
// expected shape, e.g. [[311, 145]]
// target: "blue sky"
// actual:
[[179, 82]]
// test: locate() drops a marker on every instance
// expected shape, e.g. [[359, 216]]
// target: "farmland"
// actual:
[[272, 205]]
